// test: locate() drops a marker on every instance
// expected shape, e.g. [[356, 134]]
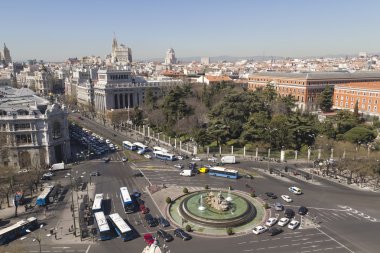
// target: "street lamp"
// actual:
[[36, 237]]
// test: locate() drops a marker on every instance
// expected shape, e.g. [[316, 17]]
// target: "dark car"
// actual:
[[138, 174], [150, 220], [165, 235], [289, 213], [107, 159], [163, 222], [275, 231], [144, 209], [302, 210], [271, 195], [140, 201], [95, 173], [182, 234]]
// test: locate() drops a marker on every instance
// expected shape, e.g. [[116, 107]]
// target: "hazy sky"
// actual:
[[59, 29]]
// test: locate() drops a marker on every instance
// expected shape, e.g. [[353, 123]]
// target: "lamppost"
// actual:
[[72, 202], [36, 237], [270, 130]]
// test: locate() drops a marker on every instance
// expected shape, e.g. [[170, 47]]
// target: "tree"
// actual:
[[137, 116], [202, 137], [356, 109], [150, 99], [359, 135], [325, 99]]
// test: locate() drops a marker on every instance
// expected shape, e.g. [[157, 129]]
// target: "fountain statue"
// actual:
[[217, 202], [229, 198], [201, 207]]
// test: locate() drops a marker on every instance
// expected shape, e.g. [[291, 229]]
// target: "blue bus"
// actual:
[[164, 156], [43, 199], [126, 200], [141, 148], [121, 227], [129, 145], [97, 206], [223, 172], [14, 231], [103, 228]]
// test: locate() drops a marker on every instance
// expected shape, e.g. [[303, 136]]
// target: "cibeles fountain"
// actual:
[[216, 209]]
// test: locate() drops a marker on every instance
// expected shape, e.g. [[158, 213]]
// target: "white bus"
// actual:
[[97, 206], [140, 147], [223, 172], [164, 156], [103, 228], [14, 231], [129, 145], [126, 200], [160, 149], [121, 227]]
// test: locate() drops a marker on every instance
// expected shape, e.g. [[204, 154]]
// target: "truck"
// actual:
[[228, 159], [57, 166], [186, 173]]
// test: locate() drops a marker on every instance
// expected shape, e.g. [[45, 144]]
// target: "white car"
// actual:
[[259, 230], [196, 158], [286, 198], [148, 156], [180, 157], [283, 221], [293, 224], [212, 159], [295, 190], [124, 159], [271, 221]]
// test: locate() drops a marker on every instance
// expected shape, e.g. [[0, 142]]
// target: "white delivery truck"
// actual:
[[228, 159], [57, 166], [186, 173]]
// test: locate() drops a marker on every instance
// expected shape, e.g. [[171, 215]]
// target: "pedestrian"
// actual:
[[55, 235]]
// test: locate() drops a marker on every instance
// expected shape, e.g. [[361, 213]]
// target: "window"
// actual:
[[23, 138], [369, 108], [363, 100], [346, 104], [375, 108], [56, 130], [22, 126]]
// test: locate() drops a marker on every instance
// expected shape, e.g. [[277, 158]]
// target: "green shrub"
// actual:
[[206, 187], [253, 195], [230, 188], [188, 228], [168, 200], [229, 231], [265, 205], [185, 190]]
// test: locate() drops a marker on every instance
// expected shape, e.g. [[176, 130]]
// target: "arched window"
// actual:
[[57, 133]]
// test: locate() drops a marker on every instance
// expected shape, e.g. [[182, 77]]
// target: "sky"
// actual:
[[59, 29]]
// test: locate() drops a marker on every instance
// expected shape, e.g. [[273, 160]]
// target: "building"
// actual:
[[209, 80], [205, 60], [366, 93], [34, 133], [306, 87], [120, 53], [170, 57], [6, 55]]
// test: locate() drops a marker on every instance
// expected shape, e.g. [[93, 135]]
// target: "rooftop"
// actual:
[[321, 75]]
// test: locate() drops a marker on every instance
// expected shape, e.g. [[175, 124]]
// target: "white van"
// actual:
[[186, 173]]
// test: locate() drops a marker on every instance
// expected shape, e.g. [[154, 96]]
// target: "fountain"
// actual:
[[201, 207], [229, 198]]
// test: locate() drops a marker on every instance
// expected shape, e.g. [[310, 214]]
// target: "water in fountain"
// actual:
[[201, 207], [229, 198]]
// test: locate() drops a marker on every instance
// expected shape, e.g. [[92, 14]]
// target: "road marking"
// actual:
[[88, 248], [317, 250], [272, 247], [328, 248], [242, 242], [253, 241], [334, 240], [248, 250], [286, 245]]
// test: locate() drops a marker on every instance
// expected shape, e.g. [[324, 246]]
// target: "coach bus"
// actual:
[[164, 156], [14, 231], [160, 149], [121, 227], [97, 206], [129, 145], [141, 148], [223, 172], [103, 228], [43, 199], [126, 200]]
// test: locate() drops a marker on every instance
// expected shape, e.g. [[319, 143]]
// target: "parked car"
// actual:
[[147, 156], [196, 158], [259, 230], [150, 220], [178, 166], [289, 213], [293, 224], [163, 222], [107, 159], [144, 209], [271, 221], [148, 238], [95, 173], [283, 221], [295, 190], [271, 195], [278, 206], [182, 234], [275, 231], [286, 198], [212, 159], [124, 159], [302, 210], [164, 235]]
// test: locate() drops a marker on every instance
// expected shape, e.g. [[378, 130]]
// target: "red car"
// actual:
[[148, 238], [144, 209]]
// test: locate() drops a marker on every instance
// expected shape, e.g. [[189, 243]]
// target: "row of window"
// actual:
[[358, 99], [352, 106], [359, 93], [23, 138], [22, 126], [118, 77]]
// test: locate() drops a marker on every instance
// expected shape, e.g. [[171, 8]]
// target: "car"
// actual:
[[283, 221], [182, 234], [164, 235], [124, 159], [48, 174], [140, 201], [295, 190], [259, 230], [163, 222], [289, 213], [45, 178], [212, 159], [144, 209], [150, 220], [147, 156], [138, 174], [148, 238], [95, 173], [271, 195], [248, 176], [196, 158], [141, 151], [207, 166], [271, 221], [203, 170], [278, 206], [106, 159], [79, 117], [136, 194], [302, 210], [178, 166], [180, 157], [286, 198], [293, 224], [275, 231]]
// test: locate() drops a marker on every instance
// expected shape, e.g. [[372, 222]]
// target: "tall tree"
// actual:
[[356, 109], [325, 99]]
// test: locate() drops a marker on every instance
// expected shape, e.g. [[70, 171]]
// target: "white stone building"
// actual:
[[34, 133], [170, 57], [120, 53]]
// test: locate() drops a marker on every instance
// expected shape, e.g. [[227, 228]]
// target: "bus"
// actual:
[[164, 156], [129, 145], [160, 149], [97, 206], [14, 231], [103, 228], [43, 199], [223, 172], [126, 200], [140, 147], [121, 227]]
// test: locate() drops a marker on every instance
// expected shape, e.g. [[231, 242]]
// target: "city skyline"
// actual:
[[55, 31]]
